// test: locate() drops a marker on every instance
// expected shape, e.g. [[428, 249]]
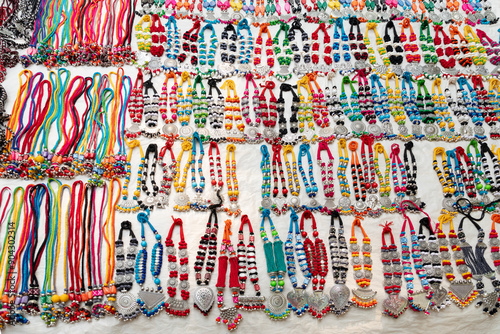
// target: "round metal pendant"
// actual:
[[371, 16], [360, 205], [266, 203], [403, 130], [434, 17], [203, 132], [345, 202], [270, 133], [358, 127], [154, 64], [375, 130], [448, 204], [457, 16], [226, 68], [186, 131], [432, 69], [294, 201], [169, 129], [182, 199], [330, 204], [446, 16], [237, 16], [482, 70], [314, 203], [245, 68], [323, 16], [348, 12], [170, 63], [385, 202], [134, 128], [252, 132], [278, 304], [150, 201], [161, 200], [126, 306], [340, 130], [385, 16], [415, 69], [398, 70], [326, 132], [479, 130], [431, 130]]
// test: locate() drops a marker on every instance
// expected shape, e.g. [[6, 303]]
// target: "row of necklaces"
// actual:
[[267, 52], [371, 170], [80, 223], [413, 109]]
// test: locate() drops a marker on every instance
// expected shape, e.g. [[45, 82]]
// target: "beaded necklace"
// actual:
[[366, 104], [265, 167], [411, 172], [334, 108], [460, 53], [151, 109], [352, 111], [339, 255], [207, 57], [198, 187], [492, 183], [326, 53], [396, 163], [363, 297], [445, 178], [253, 133], [247, 265], [410, 106], [370, 184], [491, 47], [467, 173], [228, 315], [394, 55], [168, 174], [298, 298], [204, 296], [447, 63], [150, 301], [277, 308], [478, 175], [277, 167], [425, 104], [381, 107], [232, 182], [143, 35], [215, 105], [419, 301], [173, 306], [184, 103], [200, 104], [356, 41], [461, 108], [158, 36], [132, 205], [426, 44], [232, 110], [228, 49], [182, 202], [340, 40], [344, 201], [125, 260], [442, 114], [396, 107], [283, 53], [135, 108], [317, 260], [320, 112], [263, 70], [169, 99], [461, 292], [378, 40], [311, 186], [268, 111], [358, 181], [172, 44], [394, 305], [299, 54], [305, 114], [150, 201], [327, 176], [493, 106], [383, 179], [189, 44], [280, 108], [411, 48], [292, 175], [477, 110], [246, 46], [216, 181], [475, 260], [494, 242]]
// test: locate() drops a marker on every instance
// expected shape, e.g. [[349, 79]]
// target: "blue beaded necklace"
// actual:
[[265, 166], [150, 300], [246, 46], [297, 299], [352, 111], [173, 43], [207, 57], [198, 187], [311, 186], [381, 106], [410, 105]]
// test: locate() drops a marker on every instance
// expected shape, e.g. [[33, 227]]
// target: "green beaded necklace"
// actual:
[[200, 104]]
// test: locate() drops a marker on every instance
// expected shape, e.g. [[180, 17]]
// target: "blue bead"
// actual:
[[144, 244]]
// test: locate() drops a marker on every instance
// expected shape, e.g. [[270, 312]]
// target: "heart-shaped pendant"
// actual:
[[339, 299], [439, 297], [395, 305], [297, 300], [318, 304], [204, 299]]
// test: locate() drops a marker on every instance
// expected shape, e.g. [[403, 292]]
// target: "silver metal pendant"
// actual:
[[298, 299], [490, 16], [375, 130], [431, 130], [318, 302], [134, 128], [150, 201], [186, 131], [169, 129], [408, 13], [330, 204], [432, 69], [415, 69], [358, 127], [323, 16], [387, 129], [204, 298], [176, 305], [398, 70], [203, 132], [462, 291], [344, 203], [434, 17], [339, 299], [154, 64], [170, 63], [278, 307], [262, 70], [466, 130], [381, 69], [416, 129], [371, 16], [270, 133], [151, 299], [421, 302], [244, 68], [266, 203], [446, 16], [403, 130], [479, 130], [230, 317], [252, 132], [482, 70], [340, 130], [385, 202], [182, 200], [359, 64], [326, 132], [360, 205], [162, 200], [372, 201], [226, 68], [126, 306], [364, 297], [439, 297], [294, 201], [457, 16], [395, 305]]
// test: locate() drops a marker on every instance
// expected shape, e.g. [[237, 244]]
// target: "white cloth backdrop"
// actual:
[[249, 176]]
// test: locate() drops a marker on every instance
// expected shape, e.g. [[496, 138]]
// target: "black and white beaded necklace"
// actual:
[[151, 109], [215, 104], [150, 201], [280, 108]]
